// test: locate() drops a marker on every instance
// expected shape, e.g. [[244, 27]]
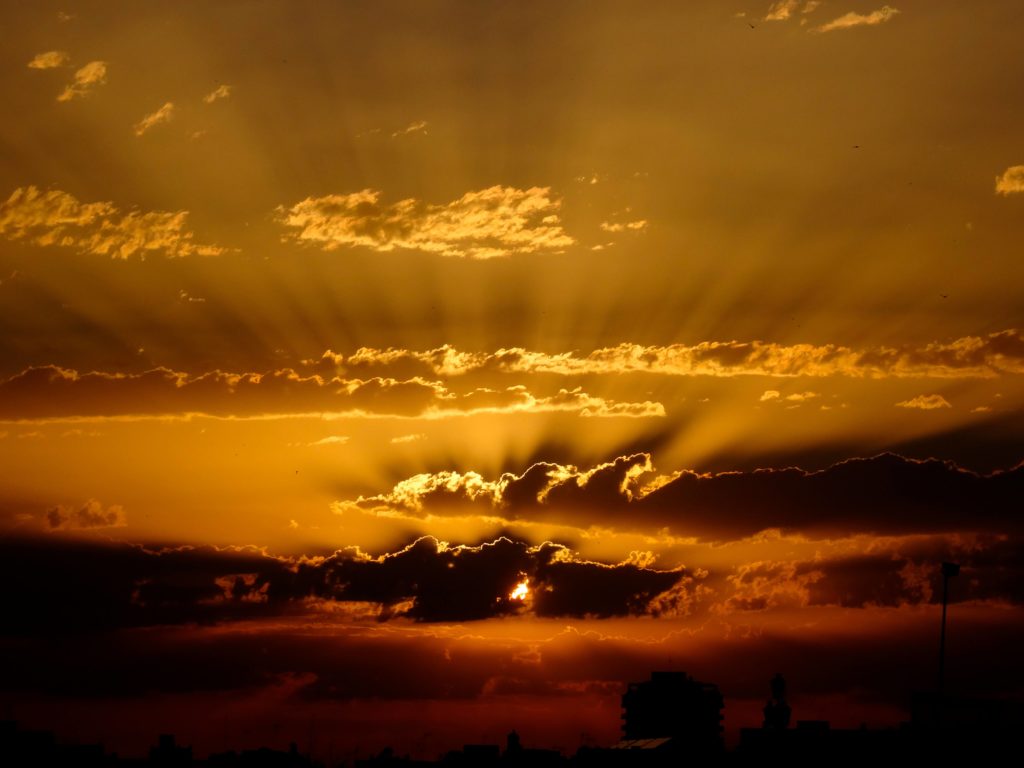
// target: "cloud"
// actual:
[[967, 357], [419, 126], [91, 514], [398, 440], [1011, 182], [78, 585], [162, 115], [54, 217], [49, 60], [188, 298], [781, 10], [925, 402], [795, 399], [331, 440], [853, 19], [892, 573], [52, 392], [84, 585], [885, 494], [624, 226], [85, 81], [491, 223], [220, 92]]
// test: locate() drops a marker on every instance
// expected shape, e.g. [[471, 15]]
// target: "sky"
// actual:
[[407, 372]]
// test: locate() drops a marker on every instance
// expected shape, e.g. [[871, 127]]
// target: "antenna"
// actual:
[[948, 571]]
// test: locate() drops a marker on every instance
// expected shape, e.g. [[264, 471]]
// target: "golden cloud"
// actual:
[[781, 10], [1011, 182], [85, 81], [490, 223], [925, 402], [49, 60], [58, 218]]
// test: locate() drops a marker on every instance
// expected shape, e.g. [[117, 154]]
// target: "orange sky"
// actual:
[[328, 324]]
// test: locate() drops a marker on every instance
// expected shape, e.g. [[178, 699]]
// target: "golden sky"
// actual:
[[701, 320]]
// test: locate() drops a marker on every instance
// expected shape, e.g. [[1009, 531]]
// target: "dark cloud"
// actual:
[[60, 584], [886, 494], [80, 586], [66, 585], [91, 514]]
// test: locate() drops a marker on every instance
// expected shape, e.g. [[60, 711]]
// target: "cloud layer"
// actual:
[[967, 357], [57, 218], [77, 585], [886, 494], [491, 223], [52, 392]]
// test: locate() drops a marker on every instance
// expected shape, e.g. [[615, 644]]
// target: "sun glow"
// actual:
[[521, 591]]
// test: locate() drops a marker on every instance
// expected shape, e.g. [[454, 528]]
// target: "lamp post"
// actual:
[[948, 570]]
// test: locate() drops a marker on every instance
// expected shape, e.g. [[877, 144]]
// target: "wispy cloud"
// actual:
[[781, 10], [49, 60], [853, 19], [188, 298], [85, 81], [419, 126], [490, 223], [221, 92], [331, 440], [795, 399], [624, 226], [162, 115], [57, 218]]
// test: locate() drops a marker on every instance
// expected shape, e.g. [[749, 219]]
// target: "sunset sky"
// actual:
[[405, 372]]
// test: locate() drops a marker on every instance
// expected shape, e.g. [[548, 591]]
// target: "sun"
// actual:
[[521, 591]]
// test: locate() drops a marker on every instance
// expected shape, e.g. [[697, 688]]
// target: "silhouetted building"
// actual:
[[776, 709], [167, 752], [263, 757], [40, 748], [517, 754], [675, 706], [474, 755]]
